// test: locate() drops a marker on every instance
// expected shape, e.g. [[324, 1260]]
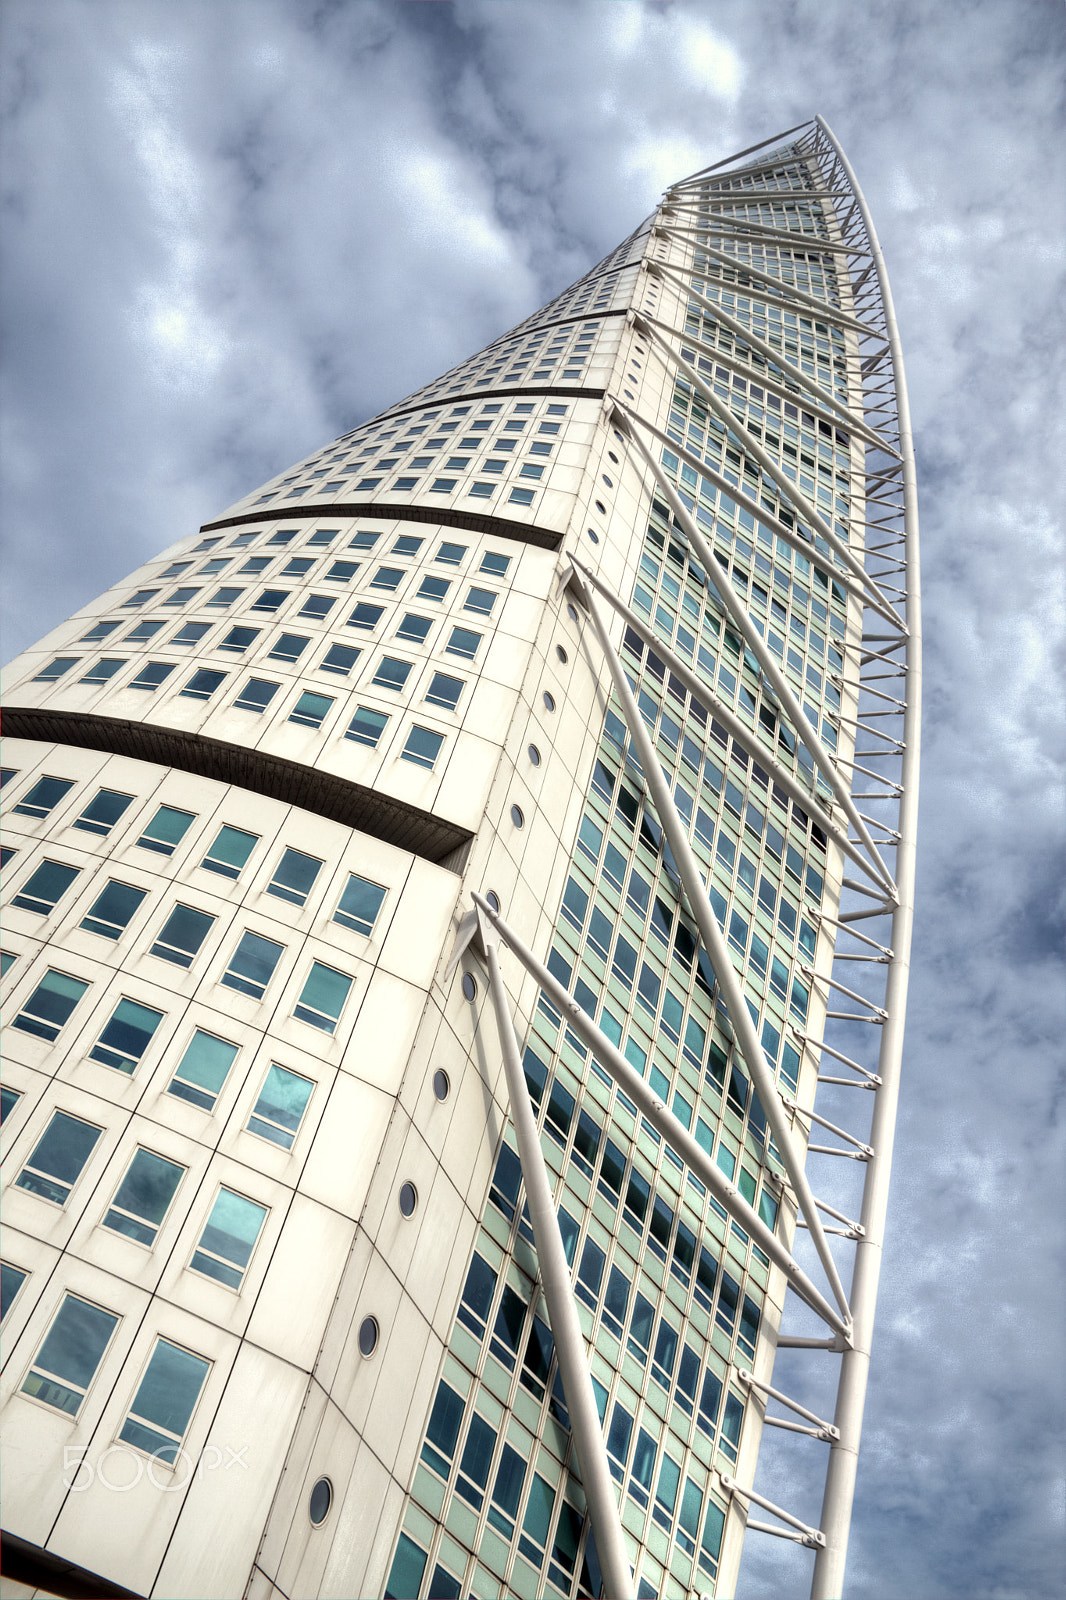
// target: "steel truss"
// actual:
[[885, 429]]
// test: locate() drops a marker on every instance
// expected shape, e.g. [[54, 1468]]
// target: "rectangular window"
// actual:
[[253, 566], [181, 597], [182, 935], [256, 695], [387, 578], [480, 601], [294, 877], [322, 997], [365, 616], [50, 1005], [463, 643], [317, 606], [143, 1198], [104, 670], [279, 1110], [230, 852], [310, 709], [252, 964], [271, 599], [203, 683], [414, 628], [202, 1070], [494, 563], [363, 541], [227, 1242], [166, 830], [224, 598], [407, 545], [433, 588], [11, 1281], [55, 669], [443, 1429], [143, 630], [451, 554], [98, 631], [367, 726], [191, 633], [45, 887], [103, 811], [58, 1158], [342, 572], [238, 639], [164, 1402], [444, 691], [141, 598], [339, 658], [423, 747], [359, 905], [392, 673], [126, 1036], [111, 912], [523, 497], [72, 1350], [43, 797], [152, 675], [297, 566]]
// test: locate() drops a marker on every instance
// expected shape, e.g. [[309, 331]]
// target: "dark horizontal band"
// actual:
[[469, 521]]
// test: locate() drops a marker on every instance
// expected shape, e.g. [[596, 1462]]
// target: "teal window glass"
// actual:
[[433, 588], [463, 642], [230, 851], [294, 877], [507, 1491], [367, 726], [359, 904], [203, 683], [443, 1429], [182, 935], [9, 1099], [444, 691], [152, 674], [363, 541], [666, 1492], [164, 1402], [45, 887], [322, 998], [339, 658], [11, 1281], [414, 628], [365, 616], [451, 554], [166, 830], [711, 1543], [58, 1158], [252, 964], [732, 1418], [423, 746], [289, 647], [98, 631], [387, 578], [50, 1005], [238, 639], [495, 564], [111, 912], [104, 670], [407, 1570], [55, 669], [475, 1462], [256, 695], [392, 673], [72, 1350], [271, 599], [688, 1522], [643, 1467], [143, 1197], [202, 1070], [43, 797], [127, 1035], [537, 1520], [480, 601], [310, 709], [281, 1105], [342, 572], [227, 1242], [103, 811], [190, 633]]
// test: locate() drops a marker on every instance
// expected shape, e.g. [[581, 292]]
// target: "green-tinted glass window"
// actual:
[[227, 1242], [322, 998], [72, 1350], [230, 851], [202, 1070], [164, 1402], [166, 829], [58, 1158], [143, 1197], [50, 1004], [279, 1110], [126, 1036], [359, 904]]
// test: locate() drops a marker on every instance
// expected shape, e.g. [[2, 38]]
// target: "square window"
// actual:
[[181, 597], [112, 911], [433, 588], [104, 670], [271, 599], [98, 631], [280, 1108], [203, 683], [297, 566], [451, 554], [166, 829], [483, 491], [481, 601], [404, 485], [294, 877], [58, 1158], [317, 605], [256, 695], [182, 935], [414, 628], [44, 796], [442, 486], [72, 1350], [364, 540], [366, 616], [253, 566], [127, 1036], [202, 1070], [238, 639], [463, 642], [457, 463], [342, 572], [50, 1005], [164, 1402], [217, 564], [387, 578], [529, 470], [540, 447], [557, 411], [444, 691], [141, 598], [322, 997], [207, 544], [339, 658], [152, 675], [359, 904], [252, 964], [322, 536], [515, 427], [227, 1242], [230, 851], [143, 630], [44, 887], [103, 811], [9, 1098], [392, 674], [521, 497], [366, 727], [289, 647], [143, 1198], [191, 633], [548, 427], [421, 462], [56, 669], [407, 545], [494, 464], [494, 563], [422, 747], [224, 598], [310, 709], [283, 536]]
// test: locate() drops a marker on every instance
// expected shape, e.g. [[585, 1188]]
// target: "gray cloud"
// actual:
[[234, 231]]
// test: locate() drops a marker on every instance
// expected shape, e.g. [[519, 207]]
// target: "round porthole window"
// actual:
[[517, 818], [561, 653], [549, 701], [408, 1199], [594, 536], [534, 755], [368, 1336], [441, 1086], [320, 1502], [571, 611], [613, 457], [630, 395], [469, 986], [494, 901], [601, 508], [607, 481]]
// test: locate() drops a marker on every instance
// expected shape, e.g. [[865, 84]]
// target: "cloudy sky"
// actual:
[[235, 230]]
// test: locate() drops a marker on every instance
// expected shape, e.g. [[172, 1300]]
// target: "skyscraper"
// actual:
[[428, 895]]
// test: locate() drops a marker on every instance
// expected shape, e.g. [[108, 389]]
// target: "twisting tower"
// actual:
[[428, 897]]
